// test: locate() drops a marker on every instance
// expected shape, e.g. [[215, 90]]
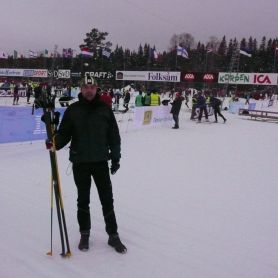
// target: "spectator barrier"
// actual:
[[17, 124]]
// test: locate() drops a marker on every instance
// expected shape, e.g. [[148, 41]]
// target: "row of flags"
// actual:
[[181, 51], [66, 53], [86, 52]]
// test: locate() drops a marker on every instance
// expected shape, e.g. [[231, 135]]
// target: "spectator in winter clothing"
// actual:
[[126, 100], [91, 128], [175, 110], [155, 99], [202, 105], [117, 97], [139, 100], [16, 94], [215, 104], [106, 98], [147, 101], [29, 93], [194, 106]]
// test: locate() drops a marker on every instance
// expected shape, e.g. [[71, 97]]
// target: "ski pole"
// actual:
[[51, 220]]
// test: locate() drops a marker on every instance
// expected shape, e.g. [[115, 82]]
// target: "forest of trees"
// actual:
[[212, 56]]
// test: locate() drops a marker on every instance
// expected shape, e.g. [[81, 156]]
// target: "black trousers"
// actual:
[[217, 112], [28, 95], [16, 98], [176, 119], [82, 173], [203, 109]]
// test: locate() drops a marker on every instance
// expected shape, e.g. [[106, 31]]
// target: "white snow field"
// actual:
[[198, 202]]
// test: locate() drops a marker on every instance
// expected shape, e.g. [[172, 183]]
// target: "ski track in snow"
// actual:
[[200, 201]]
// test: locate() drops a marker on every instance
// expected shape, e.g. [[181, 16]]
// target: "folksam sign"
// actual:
[[19, 125], [157, 76]]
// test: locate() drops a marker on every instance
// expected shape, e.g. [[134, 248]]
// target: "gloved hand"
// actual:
[[115, 166], [49, 145]]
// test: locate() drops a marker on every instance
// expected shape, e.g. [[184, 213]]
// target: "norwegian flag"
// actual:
[[85, 51]]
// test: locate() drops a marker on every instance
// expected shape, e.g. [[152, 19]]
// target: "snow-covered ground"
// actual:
[[198, 202]]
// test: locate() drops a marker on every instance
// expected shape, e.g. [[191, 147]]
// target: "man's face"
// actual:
[[89, 92]]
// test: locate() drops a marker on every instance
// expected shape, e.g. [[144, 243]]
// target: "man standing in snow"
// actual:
[[176, 107], [16, 94], [202, 105], [215, 104], [90, 126], [126, 99]]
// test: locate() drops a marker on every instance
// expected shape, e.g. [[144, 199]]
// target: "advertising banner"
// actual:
[[19, 125], [11, 72], [241, 78], [100, 74], [151, 116], [39, 73], [199, 77], [157, 76], [235, 106], [59, 74]]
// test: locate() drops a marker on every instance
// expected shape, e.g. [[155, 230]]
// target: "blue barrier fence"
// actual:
[[17, 124]]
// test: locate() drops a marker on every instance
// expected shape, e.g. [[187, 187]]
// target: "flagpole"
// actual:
[[275, 54], [176, 65], [206, 64]]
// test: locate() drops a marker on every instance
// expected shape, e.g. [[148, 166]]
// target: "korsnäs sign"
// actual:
[[241, 78]]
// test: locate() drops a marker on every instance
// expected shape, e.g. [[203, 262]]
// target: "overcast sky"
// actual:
[[39, 24]]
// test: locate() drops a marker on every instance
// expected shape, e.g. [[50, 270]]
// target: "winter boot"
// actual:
[[115, 242], [84, 241]]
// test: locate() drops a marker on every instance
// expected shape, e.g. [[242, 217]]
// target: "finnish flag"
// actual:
[[182, 52]]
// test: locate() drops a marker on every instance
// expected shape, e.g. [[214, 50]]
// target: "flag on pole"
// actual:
[[67, 53], [181, 51], [33, 54], [46, 53], [15, 54], [244, 52], [209, 50], [154, 53], [106, 52], [3, 55], [86, 52]]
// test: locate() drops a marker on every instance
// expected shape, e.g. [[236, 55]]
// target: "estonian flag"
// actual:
[[244, 52]]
